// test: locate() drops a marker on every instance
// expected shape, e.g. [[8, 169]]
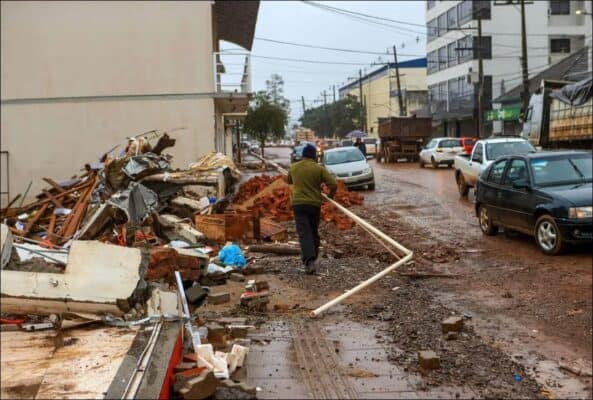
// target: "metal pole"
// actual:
[[334, 88], [480, 76], [360, 99], [402, 112], [303, 102], [525, 93]]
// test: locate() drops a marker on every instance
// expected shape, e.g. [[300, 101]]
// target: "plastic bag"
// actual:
[[231, 254]]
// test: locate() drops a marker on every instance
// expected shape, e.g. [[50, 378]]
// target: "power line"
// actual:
[[312, 61], [385, 53]]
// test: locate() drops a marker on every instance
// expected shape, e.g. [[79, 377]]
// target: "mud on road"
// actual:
[[525, 312]]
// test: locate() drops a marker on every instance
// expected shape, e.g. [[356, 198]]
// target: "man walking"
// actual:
[[306, 177]]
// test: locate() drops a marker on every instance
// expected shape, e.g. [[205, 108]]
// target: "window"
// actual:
[[453, 88], [452, 54], [452, 18], [481, 8], [496, 171], [478, 153], [432, 31], [517, 171], [433, 63], [432, 144], [464, 52], [558, 171], [486, 47], [464, 12], [559, 7], [495, 150], [443, 58], [560, 45], [449, 143], [430, 4], [442, 24], [443, 91]]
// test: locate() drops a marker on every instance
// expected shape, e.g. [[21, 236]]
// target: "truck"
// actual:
[[559, 116], [402, 137], [468, 167], [304, 135]]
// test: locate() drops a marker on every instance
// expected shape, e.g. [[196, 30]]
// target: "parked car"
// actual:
[[468, 144], [440, 151], [547, 195], [372, 145], [468, 167], [297, 151], [254, 147], [348, 164], [346, 143]]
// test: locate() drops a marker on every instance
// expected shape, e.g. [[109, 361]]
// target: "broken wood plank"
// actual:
[[52, 226], [34, 219], [274, 248], [56, 202], [427, 275], [31, 206], [54, 184], [80, 210]]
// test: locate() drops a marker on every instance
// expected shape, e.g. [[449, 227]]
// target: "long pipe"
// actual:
[[408, 254]]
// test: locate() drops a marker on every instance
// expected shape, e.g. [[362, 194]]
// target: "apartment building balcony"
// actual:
[[232, 81]]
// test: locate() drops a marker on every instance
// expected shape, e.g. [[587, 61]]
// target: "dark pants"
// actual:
[[306, 218]]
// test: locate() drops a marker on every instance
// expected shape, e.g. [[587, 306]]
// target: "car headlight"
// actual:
[[367, 170], [580, 212]]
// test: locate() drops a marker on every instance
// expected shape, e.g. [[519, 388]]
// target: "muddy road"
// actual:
[[525, 312]]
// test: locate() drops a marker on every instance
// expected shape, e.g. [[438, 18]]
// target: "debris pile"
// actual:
[[268, 196]]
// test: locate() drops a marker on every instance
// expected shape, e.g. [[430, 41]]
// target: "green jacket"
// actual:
[[306, 177]]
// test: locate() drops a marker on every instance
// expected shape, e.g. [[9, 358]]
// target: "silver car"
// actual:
[[349, 165]]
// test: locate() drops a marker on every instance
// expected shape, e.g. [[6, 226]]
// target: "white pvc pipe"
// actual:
[[370, 229]]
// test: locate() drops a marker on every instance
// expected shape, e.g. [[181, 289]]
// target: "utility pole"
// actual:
[[360, 99], [334, 88], [402, 112], [480, 77], [303, 102], [326, 117], [525, 94]]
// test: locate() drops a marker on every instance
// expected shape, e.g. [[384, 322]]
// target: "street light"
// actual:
[[582, 12]]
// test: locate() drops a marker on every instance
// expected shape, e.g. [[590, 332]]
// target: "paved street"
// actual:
[[536, 308]]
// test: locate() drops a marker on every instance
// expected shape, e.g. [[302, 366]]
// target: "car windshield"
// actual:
[[559, 171], [343, 156], [495, 150], [346, 142], [450, 143]]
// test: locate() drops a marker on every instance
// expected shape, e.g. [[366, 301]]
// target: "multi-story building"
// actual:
[[554, 30], [380, 95], [79, 77]]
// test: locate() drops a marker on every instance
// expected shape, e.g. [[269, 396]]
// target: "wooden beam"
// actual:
[[56, 202]]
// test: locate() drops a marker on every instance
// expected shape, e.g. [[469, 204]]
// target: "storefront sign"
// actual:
[[504, 114]]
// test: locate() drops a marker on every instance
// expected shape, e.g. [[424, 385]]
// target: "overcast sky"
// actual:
[[295, 21]]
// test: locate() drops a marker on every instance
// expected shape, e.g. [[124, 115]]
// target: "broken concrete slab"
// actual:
[[5, 245], [163, 302], [235, 390], [181, 230], [196, 294], [182, 377], [452, 324], [236, 277], [99, 278], [194, 205], [255, 301], [579, 367]]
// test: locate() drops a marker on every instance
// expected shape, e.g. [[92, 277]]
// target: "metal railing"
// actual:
[[232, 72]]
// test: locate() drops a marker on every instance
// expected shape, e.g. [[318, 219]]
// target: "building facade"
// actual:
[[380, 95], [554, 31], [78, 78]]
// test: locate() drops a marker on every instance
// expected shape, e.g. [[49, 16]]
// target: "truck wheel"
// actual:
[[434, 162], [462, 185], [486, 225], [547, 235]]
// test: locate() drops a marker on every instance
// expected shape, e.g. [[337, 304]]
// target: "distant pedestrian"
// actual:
[[361, 146], [306, 177]]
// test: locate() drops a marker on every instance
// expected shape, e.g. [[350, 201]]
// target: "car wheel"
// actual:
[[462, 185], [434, 162], [547, 235], [372, 186], [486, 225]]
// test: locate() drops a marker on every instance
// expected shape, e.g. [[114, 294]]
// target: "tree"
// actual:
[[265, 120], [335, 119], [275, 90]]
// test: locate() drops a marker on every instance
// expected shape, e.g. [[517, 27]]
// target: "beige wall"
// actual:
[[378, 102], [78, 77], [66, 49]]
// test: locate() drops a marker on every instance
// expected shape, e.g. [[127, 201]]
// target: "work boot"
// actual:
[[311, 267]]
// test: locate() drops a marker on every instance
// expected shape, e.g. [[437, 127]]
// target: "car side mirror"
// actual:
[[521, 184]]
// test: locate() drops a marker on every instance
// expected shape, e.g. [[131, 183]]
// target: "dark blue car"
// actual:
[[547, 195]]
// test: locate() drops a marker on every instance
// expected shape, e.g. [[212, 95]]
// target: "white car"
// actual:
[[441, 151], [349, 165]]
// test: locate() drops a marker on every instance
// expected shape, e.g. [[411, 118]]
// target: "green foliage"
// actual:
[[265, 120], [275, 90], [335, 119]]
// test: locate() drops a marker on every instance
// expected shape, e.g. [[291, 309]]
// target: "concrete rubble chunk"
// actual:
[[237, 331], [236, 277], [5, 245], [256, 301], [195, 205], [200, 387], [182, 377], [216, 333], [428, 359], [195, 294], [219, 298], [578, 367], [452, 324]]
